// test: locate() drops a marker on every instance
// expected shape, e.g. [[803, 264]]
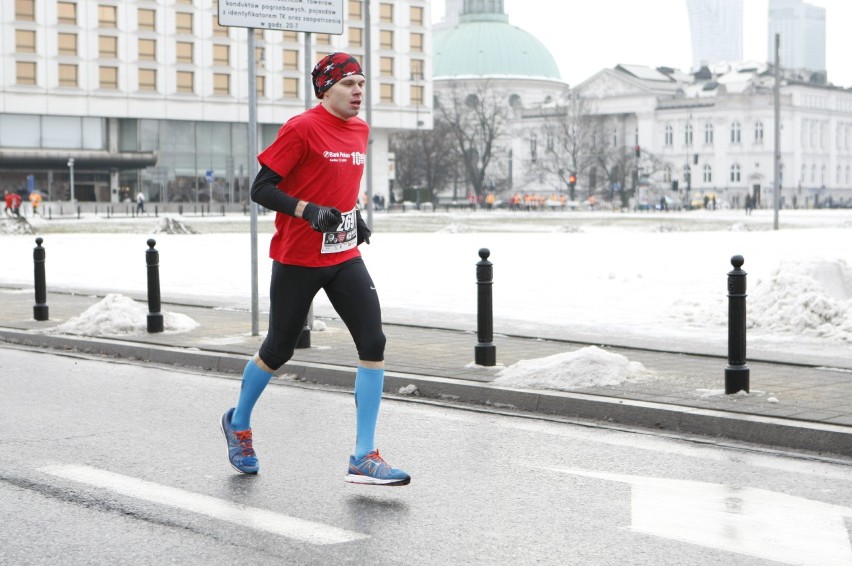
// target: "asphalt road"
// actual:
[[105, 463]]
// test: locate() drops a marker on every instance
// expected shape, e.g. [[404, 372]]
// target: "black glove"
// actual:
[[322, 218], [364, 233]]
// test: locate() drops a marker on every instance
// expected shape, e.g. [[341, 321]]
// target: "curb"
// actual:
[[769, 431]]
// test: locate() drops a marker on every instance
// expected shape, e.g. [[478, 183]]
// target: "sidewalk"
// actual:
[[799, 407]]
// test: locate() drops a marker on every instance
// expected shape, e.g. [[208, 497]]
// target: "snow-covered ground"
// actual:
[[643, 279]]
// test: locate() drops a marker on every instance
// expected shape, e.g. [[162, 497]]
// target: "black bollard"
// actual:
[[152, 259], [156, 211], [737, 372], [40, 307], [485, 352]]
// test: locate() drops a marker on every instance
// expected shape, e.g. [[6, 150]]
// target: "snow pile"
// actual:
[[15, 225], [117, 315], [811, 297], [587, 367], [168, 225]]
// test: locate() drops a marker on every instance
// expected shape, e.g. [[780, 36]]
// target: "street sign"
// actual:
[[314, 16]]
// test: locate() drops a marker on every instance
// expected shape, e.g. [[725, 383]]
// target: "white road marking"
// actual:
[[243, 515], [751, 521]]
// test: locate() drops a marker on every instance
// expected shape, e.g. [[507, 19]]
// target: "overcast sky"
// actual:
[[653, 33]]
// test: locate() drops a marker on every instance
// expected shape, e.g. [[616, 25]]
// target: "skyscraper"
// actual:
[[717, 31], [802, 30]]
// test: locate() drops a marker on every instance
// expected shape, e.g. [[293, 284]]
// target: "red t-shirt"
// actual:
[[321, 159]]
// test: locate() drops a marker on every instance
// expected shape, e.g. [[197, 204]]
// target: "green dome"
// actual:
[[487, 45]]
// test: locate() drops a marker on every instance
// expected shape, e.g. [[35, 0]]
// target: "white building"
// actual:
[[152, 95], [716, 28]]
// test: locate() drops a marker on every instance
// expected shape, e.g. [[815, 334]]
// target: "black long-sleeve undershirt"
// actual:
[[265, 192]]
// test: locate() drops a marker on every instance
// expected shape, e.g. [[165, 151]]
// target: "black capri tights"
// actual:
[[350, 289]]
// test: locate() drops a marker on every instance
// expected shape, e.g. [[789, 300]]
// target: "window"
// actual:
[[669, 136], [533, 148], [707, 173], [66, 13], [291, 60], [25, 41], [708, 133], [146, 19], [356, 37], [25, 10], [415, 15], [417, 94], [735, 173], [67, 75], [185, 82], [322, 39], [416, 69], [147, 79], [108, 47], [107, 16], [221, 55], [386, 13], [386, 93], [291, 87], [147, 49], [386, 39], [219, 31], [417, 42], [758, 132], [25, 73], [221, 84], [108, 77], [687, 135], [67, 43], [290, 37], [355, 10], [735, 132], [260, 85], [183, 23], [260, 57], [183, 52], [386, 67]]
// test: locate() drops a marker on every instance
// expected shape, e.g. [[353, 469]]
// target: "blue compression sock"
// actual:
[[368, 396], [254, 382]]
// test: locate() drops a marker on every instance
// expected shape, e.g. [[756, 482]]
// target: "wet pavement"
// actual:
[[801, 407]]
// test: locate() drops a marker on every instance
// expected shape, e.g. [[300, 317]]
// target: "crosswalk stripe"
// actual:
[[243, 515]]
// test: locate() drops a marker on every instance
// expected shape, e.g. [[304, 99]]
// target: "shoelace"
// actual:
[[245, 442]]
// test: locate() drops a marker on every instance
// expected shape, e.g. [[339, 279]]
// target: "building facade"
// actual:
[[152, 95], [716, 28], [801, 28]]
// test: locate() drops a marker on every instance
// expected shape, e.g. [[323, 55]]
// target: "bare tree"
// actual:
[[425, 158], [477, 118], [567, 129]]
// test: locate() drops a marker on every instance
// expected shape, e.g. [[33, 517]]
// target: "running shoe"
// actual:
[[372, 469], [240, 451]]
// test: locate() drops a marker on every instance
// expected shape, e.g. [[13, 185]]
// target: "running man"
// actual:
[[311, 177]]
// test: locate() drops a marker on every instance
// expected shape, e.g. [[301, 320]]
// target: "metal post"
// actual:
[[71, 167], [776, 186], [152, 260], [485, 352], [737, 372], [40, 307]]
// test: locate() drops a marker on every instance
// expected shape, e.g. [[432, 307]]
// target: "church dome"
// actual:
[[484, 45]]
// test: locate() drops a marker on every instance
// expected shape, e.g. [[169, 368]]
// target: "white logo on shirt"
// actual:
[[356, 157]]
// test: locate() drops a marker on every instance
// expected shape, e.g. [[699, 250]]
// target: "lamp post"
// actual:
[[71, 167]]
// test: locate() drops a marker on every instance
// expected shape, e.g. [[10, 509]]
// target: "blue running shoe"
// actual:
[[240, 451], [371, 469]]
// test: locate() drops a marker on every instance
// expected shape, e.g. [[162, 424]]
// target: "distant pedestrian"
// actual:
[[15, 202], [748, 204], [140, 203], [35, 201]]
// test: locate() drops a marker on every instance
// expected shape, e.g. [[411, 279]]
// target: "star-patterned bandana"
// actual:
[[331, 69]]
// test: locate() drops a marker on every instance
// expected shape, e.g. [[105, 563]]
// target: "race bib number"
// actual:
[[344, 237]]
